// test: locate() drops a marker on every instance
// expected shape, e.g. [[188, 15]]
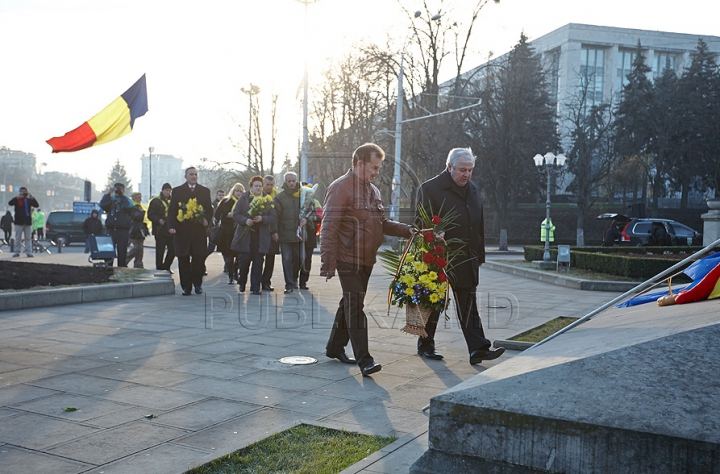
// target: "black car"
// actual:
[[661, 232], [66, 227]]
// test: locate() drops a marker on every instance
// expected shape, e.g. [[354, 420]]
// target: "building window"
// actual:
[[624, 60], [592, 71], [554, 76], [662, 61]]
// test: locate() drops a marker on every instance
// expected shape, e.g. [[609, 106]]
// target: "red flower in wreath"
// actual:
[[436, 220], [440, 262], [429, 258], [439, 250], [442, 277], [428, 236]]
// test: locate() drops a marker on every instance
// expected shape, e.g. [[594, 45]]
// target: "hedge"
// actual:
[[613, 260]]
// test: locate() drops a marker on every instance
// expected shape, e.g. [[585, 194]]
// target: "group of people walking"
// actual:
[[250, 233], [249, 227]]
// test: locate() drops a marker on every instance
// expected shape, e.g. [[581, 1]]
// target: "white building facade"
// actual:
[[162, 169]]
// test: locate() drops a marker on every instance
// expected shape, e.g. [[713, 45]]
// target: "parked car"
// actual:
[[644, 232], [66, 227]]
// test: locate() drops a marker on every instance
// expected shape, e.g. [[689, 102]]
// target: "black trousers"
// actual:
[[246, 258], [120, 239], [163, 261], [350, 320], [192, 265], [270, 263], [306, 261], [466, 302]]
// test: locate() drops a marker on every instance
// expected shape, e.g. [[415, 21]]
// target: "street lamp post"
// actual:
[[251, 91], [151, 149], [305, 141], [547, 163], [395, 196]]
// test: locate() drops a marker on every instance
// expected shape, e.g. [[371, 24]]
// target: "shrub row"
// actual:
[[616, 260]]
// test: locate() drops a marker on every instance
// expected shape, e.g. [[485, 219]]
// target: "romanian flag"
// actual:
[[113, 122], [705, 274]]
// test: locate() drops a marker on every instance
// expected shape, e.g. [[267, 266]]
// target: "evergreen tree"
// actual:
[[632, 117], [515, 122], [665, 124], [118, 175], [699, 130]]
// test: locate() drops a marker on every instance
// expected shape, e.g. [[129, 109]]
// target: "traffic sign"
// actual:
[[80, 207]]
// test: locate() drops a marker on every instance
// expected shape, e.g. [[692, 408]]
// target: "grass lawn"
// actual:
[[303, 449], [541, 332]]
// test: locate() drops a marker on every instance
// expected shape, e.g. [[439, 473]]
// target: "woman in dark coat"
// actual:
[[223, 215], [252, 236]]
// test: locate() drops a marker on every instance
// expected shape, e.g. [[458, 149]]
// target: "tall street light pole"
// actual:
[[395, 196], [305, 141], [251, 91], [151, 149], [547, 163]]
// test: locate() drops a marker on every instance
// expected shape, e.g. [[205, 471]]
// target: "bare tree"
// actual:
[[588, 128]]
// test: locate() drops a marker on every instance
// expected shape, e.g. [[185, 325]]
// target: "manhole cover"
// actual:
[[298, 360]]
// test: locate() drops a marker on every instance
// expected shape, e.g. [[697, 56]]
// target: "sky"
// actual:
[[63, 61]]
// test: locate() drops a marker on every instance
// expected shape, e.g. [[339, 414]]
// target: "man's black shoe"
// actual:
[[198, 290], [268, 288], [370, 369], [288, 290], [242, 288], [478, 356], [430, 355], [187, 292], [304, 287], [256, 293], [342, 357]]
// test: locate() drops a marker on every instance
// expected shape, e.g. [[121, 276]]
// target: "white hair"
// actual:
[[464, 155], [288, 174]]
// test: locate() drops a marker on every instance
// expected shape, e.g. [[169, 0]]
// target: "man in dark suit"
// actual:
[[453, 189], [190, 236]]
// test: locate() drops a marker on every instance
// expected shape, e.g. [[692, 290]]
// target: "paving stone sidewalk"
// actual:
[[206, 367]]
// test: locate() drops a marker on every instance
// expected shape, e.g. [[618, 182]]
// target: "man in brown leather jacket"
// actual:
[[352, 231]]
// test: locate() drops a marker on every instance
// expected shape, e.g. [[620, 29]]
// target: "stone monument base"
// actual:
[[634, 390]]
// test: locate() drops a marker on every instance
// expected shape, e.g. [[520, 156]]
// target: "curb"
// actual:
[[386, 451], [560, 280], [85, 294], [512, 345]]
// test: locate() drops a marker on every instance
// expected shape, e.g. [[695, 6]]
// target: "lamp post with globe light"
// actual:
[[547, 163]]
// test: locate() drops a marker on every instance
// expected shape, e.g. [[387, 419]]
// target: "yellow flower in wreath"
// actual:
[[409, 291], [434, 298]]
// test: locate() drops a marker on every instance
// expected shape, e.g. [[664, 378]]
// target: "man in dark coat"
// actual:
[[158, 213], [190, 236], [453, 189], [6, 224], [287, 209], [92, 226], [23, 202], [118, 221]]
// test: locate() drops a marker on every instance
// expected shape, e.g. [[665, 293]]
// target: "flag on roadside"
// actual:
[[114, 121]]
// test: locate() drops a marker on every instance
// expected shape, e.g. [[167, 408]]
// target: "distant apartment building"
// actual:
[[162, 169]]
